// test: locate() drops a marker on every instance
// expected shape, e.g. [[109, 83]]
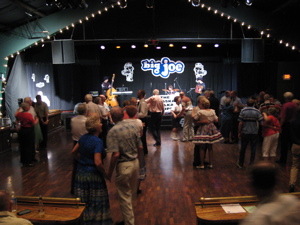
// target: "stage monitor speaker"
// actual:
[[63, 52], [252, 51]]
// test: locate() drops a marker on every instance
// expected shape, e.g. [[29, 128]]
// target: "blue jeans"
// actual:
[[245, 139]]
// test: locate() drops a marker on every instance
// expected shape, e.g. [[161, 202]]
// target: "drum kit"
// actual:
[[173, 90]]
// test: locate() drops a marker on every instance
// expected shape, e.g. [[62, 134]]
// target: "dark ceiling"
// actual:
[[170, 19]]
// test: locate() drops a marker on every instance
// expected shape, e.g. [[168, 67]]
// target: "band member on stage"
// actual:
[[105, 85], [171, 91]]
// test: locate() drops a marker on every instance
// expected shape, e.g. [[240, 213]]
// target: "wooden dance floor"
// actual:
[[171, 187]]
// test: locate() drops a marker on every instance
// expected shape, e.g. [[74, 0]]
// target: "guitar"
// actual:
[[111, 99]]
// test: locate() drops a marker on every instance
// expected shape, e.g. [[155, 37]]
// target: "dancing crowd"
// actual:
[[99, 129]]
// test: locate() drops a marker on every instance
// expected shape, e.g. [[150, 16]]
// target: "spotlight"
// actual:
[[196, 3], [133, 46], [171, 45], [184, 47], [248, 2], [217, 45], [158, 47], [146, 45], [102, 47]]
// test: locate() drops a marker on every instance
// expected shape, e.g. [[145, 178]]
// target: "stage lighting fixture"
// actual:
[[102, 47], [184, 47], [236, 3], [171, 45], [149, 4], [248, 2], [216, 45], [133, 46], [196, 3]]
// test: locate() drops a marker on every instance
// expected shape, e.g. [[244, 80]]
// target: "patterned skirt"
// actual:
[[90, 187], [207, 134]]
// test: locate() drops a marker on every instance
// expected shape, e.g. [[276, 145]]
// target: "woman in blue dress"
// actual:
[[90, 185]]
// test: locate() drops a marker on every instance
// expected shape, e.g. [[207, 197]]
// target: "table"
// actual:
[[57, 210], [215, 214]]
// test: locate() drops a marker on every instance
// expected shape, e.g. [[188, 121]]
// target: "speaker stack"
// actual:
[[63, 52]]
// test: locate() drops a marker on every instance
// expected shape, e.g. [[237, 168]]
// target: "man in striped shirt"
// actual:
[[249, 120]]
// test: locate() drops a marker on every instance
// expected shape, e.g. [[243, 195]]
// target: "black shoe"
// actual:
[[292, 188]]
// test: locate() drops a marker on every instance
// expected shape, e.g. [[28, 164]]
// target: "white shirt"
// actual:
[[78, 127]]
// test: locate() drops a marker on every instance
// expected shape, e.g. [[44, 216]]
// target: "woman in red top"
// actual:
[[26, 135], [270, 133]]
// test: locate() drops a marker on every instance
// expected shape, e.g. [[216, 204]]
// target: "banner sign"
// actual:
[[169, 101], [162, 68]]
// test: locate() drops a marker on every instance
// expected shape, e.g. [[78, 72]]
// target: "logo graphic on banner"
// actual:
[[128, 71], [162, 68], [200, 72]]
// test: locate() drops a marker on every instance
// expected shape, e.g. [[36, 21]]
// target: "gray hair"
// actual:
[[92, 123], [288, 95]]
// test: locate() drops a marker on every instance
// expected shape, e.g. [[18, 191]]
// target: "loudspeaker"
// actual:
[[63, 52], [252, 51]]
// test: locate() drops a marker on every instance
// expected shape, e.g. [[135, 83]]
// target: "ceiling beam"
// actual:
[[28, 7]]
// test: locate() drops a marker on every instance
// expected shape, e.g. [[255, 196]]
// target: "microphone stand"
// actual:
[[178, 84]]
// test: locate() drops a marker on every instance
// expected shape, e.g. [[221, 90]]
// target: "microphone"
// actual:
[[175, 79]]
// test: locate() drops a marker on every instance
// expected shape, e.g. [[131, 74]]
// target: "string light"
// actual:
[[60, 31], [216, 11], [262, 32], [99, 12], [48, 37], [235, 20], [93, 15], [67, 28], [209, 8], [6, 58], [80, 21], [73, 25], [86, 18], [249, 27]]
